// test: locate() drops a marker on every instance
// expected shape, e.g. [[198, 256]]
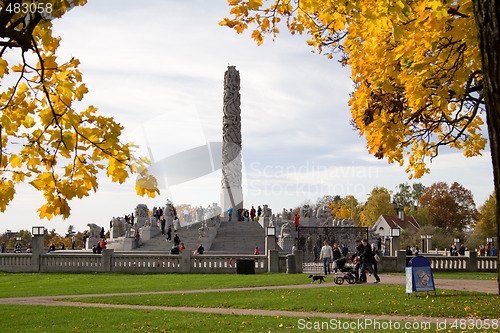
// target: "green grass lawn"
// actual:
[[366, 299], [27, 319], [47, 284], [356, 299]]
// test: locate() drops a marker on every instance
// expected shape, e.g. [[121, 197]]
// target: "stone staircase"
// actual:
[[239, 237], [159, 243], [232, 237]]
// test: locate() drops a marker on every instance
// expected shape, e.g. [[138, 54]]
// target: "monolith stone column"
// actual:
[[231, 193]]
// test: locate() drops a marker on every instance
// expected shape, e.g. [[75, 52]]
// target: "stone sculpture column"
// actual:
[[231, 194]]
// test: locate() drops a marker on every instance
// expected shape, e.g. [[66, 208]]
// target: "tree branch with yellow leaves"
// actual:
[[45, 141]]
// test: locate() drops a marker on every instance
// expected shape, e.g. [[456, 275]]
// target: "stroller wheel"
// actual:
[[338, 280], [351, 280]]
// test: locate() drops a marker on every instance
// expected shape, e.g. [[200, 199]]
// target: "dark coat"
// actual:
[[359, 250], [367, 254], [336, 253]]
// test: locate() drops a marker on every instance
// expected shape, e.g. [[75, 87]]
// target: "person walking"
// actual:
[[367, 262], [169, 233], [163, 222], [357, 255], [326, 255]]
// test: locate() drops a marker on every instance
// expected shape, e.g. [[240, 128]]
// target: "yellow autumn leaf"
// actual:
[[80, 91], [18, 68], [37, 183], [7, 192], [15, 161], [4, 69]]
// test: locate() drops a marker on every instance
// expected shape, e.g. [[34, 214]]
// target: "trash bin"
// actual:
[[291, 266], [245, 266]]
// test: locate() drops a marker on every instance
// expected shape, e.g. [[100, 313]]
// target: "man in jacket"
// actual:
[[326, 255], [367, 262], [357, 257]]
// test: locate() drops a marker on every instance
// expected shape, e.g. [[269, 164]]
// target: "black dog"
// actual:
[[318, 278]]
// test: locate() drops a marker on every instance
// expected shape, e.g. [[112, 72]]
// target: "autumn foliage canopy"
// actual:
[[48, 139], [416, 68]]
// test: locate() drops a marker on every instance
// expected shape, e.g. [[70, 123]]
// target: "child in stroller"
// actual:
[[346, 269]]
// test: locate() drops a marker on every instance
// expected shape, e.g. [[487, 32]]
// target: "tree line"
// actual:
[[442, 210]]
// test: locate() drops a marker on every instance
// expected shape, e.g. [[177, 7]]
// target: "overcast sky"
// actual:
[[158, 67]]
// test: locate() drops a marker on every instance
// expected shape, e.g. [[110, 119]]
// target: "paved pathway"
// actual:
[[487, 286]]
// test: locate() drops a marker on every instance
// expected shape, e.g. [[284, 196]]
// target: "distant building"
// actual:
[[387, 222], [9, 234]]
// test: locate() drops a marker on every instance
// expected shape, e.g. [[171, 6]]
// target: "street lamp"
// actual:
[[489, 240], [270, 231], [394, 232], [457, 240], [37, 231]]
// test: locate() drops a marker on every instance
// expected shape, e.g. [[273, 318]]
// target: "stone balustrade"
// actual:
[[487, 264], [470, 262], [63, 262], [154, 262], [450, 263], [15, 262], [143, 262], [209, 263]]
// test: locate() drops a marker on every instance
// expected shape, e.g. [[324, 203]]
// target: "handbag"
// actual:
[[377, 257]]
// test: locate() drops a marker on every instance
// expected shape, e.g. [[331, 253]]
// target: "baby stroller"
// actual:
[[346, 271]]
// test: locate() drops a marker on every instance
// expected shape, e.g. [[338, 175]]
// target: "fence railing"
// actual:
[[468, 263], [11, 261], [439, 263], [109, 261], [154, 262]]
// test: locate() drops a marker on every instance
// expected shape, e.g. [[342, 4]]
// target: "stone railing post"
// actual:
[[429, 243], [395, 245], [106, 260], [291, 264], [36, 251], [400, 261], [270, 243], [273, 258], [472, 264], [185, 261], [299, 255]]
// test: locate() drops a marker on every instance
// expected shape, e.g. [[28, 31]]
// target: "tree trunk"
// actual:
[[487, 15]]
